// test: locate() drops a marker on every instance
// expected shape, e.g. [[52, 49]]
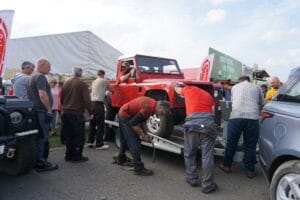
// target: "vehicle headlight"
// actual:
[[16, 117]]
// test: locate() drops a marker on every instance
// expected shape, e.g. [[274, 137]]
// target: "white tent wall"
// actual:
[[65, 51]]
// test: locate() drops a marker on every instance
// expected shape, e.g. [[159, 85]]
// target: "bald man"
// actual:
[[39, 93], [275, 84]]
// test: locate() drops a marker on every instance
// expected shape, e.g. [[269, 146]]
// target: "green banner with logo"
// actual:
[[225, 67]]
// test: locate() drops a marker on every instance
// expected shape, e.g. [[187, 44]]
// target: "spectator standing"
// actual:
[[40, 94], [54, 92], [75, 98], [226, 93], [132, 115], [264, 89], [247, 101], [200, 129], [96, 126], [275, 84], [19, 81]]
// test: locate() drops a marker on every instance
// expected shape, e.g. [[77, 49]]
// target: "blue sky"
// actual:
[[266, 33]]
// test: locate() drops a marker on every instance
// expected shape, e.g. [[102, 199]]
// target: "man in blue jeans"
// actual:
[[131, 117], [247, 101], [40, 94]]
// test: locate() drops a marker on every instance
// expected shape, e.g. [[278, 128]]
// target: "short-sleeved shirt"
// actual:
[[99, 87], [20, 85], [144, 105], [197, 100], [36, 82]]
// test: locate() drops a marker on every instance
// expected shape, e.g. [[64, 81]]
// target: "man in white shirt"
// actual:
[[96, 127]]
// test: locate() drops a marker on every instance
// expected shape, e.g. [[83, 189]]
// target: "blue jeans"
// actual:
[[42, 139], [250, 130], [131, 140], [192, 140]]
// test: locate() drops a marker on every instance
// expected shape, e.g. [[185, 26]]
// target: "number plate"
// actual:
[[1, 149]]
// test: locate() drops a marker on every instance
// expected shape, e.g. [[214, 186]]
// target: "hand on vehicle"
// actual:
[[146, 138]]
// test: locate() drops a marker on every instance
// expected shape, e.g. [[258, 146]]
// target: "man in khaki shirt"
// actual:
[[96, 127]]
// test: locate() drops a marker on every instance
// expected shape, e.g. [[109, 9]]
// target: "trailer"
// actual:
[[175, 142]]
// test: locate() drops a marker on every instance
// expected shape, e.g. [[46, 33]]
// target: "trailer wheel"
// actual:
[[160, 125], [24, 159]]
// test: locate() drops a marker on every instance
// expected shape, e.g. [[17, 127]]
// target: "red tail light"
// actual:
[[265, 115]]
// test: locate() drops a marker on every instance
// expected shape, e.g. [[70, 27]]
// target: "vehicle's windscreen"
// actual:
[[292, 95], [157, 65]]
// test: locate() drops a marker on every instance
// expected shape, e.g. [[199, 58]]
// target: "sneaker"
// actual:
[[82, 159], [224, 168], [46, 166], [90, 145], [103, 147], [192, 183], [211, 188], [144, 172]]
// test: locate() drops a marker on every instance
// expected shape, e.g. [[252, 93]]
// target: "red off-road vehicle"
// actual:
[[152, 77]]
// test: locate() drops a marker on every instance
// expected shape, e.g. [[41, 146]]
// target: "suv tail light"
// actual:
[[265, 115]]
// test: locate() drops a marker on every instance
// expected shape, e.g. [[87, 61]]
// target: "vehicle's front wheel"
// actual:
[[286, 181], [24, 159], [160, 125]]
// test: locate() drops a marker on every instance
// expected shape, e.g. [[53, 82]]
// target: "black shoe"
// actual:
[[68, 159], [193, 183], [144, 172], [210, 188], [46, 166], [82, 159]]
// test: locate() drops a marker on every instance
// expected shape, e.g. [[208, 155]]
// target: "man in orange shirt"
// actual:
[[200, 129], [131, 117]]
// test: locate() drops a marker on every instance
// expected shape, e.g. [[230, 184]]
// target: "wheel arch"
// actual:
[[277, 162]]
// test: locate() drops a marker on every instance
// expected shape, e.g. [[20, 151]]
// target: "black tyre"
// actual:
[[24, 160], [285, 183], [160, 125]]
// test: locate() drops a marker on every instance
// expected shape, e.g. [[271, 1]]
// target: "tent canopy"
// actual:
[[65, 51]]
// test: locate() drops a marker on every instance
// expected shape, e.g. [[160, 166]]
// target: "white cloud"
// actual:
[[219, 2], [278, 35], [215, 16]]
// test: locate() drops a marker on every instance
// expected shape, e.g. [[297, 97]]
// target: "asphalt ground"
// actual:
[[99, 179]]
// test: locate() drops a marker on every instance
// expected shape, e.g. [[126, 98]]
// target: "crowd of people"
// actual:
[[200, 129]]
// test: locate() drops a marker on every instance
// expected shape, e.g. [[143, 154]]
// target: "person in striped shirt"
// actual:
[[247, 101]]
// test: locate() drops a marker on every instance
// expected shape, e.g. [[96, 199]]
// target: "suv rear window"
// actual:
[[292, 94]]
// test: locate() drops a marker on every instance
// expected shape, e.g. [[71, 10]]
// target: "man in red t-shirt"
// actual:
[[131, 118], [199, 130]]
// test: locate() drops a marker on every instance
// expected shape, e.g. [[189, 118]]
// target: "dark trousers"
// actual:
[[96, 126], [250, 130], [74, 135], [42, 139], [131, 140]]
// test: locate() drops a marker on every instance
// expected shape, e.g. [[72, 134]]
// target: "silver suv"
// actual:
[[279, 142]]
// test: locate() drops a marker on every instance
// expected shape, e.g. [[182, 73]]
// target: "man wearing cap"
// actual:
[[19, 80], [75, 98], [40, 94], [96, 126]]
